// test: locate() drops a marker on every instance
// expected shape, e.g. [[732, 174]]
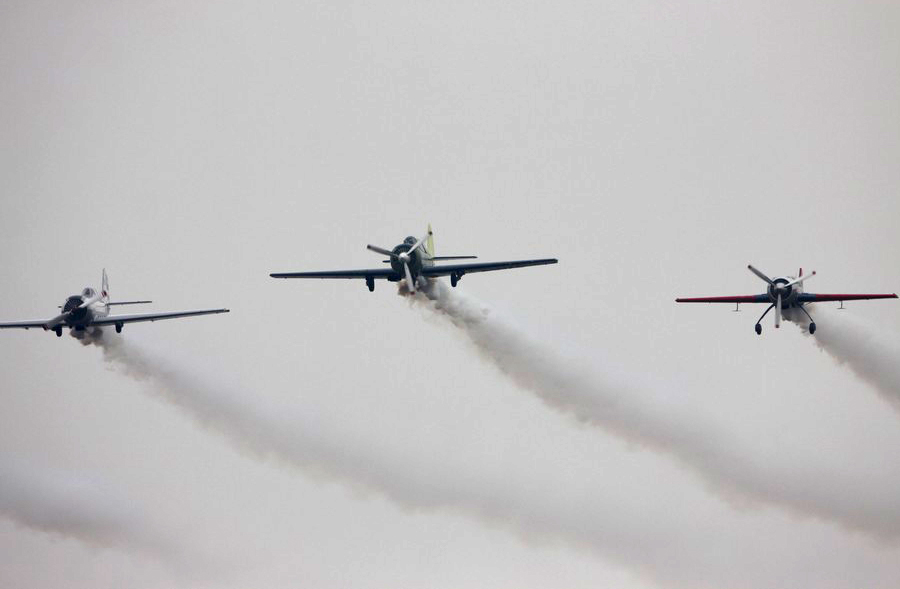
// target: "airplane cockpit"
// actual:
[[88, 293]]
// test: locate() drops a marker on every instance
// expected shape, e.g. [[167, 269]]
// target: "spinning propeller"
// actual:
[[62, 317], [779, 288], [404, 257]]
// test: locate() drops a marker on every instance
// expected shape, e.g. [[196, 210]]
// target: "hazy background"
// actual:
[[192, 148]]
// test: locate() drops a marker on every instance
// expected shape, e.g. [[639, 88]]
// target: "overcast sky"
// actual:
[[323, 436]]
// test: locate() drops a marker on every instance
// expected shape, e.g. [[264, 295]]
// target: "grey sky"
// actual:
[[191, 148]]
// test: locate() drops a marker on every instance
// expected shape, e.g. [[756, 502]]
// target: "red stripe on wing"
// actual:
[[737, 299], [813, 298]]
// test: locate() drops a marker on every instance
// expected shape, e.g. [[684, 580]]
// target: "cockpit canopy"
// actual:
[[88, 293], [410, 240]]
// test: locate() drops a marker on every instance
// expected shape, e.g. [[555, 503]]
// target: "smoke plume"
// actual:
[[664, 544], [870, 352], [603, 397], [74, 506]]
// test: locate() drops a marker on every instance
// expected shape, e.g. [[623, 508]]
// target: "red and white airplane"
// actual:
[[89, 311], [785, 292]]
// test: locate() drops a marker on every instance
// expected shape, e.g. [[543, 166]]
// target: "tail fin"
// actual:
[[104, 287], [429, 243]]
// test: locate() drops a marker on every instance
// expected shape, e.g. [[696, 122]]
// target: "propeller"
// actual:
[[404, 258], [61, 318], [800, 279], [778, 311], [760, 274], [380, 250]]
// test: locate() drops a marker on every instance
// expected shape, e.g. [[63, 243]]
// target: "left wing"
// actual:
[[808, 297], [761, 298], [113, 319], [432, 271], [372, 273]]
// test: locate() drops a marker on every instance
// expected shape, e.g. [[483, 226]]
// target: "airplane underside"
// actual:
[[812, 324]]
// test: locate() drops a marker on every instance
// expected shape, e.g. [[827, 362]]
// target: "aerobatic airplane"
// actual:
[[785, 292], [90, 310], [414, 261]]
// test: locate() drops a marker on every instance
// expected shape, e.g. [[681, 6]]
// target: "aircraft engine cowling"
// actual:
[[788, 294], [415, 260], [72, 303]]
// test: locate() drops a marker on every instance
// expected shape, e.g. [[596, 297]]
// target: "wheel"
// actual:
[[119, 327], [812, 328], [758, 329], [58, 331]]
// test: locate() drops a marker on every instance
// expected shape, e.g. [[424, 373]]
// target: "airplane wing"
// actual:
[[45, 324], [25, 324], [113, 319], [432, 271], [761, 298], [373, 273], [808, 297]]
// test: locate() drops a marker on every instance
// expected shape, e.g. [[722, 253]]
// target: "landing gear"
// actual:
[[119, 327], [812, 324], [58, 331], [759, 321], [370, 282], [454, 278]]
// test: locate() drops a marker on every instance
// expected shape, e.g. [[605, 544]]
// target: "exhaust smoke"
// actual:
[[605, 397], [872, 353]]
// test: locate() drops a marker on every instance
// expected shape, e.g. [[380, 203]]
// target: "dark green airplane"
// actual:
[[414, 261]]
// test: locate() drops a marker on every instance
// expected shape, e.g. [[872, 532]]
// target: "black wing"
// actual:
[[432, 271], [372, 273]]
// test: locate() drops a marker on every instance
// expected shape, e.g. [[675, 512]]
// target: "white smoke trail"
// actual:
[[666, 547], [869, 351], [75, 506], [594, 395]]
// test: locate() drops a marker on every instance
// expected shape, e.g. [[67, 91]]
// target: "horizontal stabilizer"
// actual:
[[443, 258], [122, 319], [129, 303]]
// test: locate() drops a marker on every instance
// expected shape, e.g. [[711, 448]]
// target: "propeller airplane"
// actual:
[[413, 261], [90, 310], [785, 292]]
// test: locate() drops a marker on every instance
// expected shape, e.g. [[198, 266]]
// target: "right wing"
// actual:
[[373, 273], [128, 303], [25, 324], [761, 298], [447, 270], [45, 324], [809, 297], [113, 319]]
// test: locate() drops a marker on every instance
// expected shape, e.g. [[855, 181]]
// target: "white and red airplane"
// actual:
[[89, 311], [785, 292]]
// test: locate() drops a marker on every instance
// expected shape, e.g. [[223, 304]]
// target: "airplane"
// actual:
[[785, 292], [414, 261], [90, 311]]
